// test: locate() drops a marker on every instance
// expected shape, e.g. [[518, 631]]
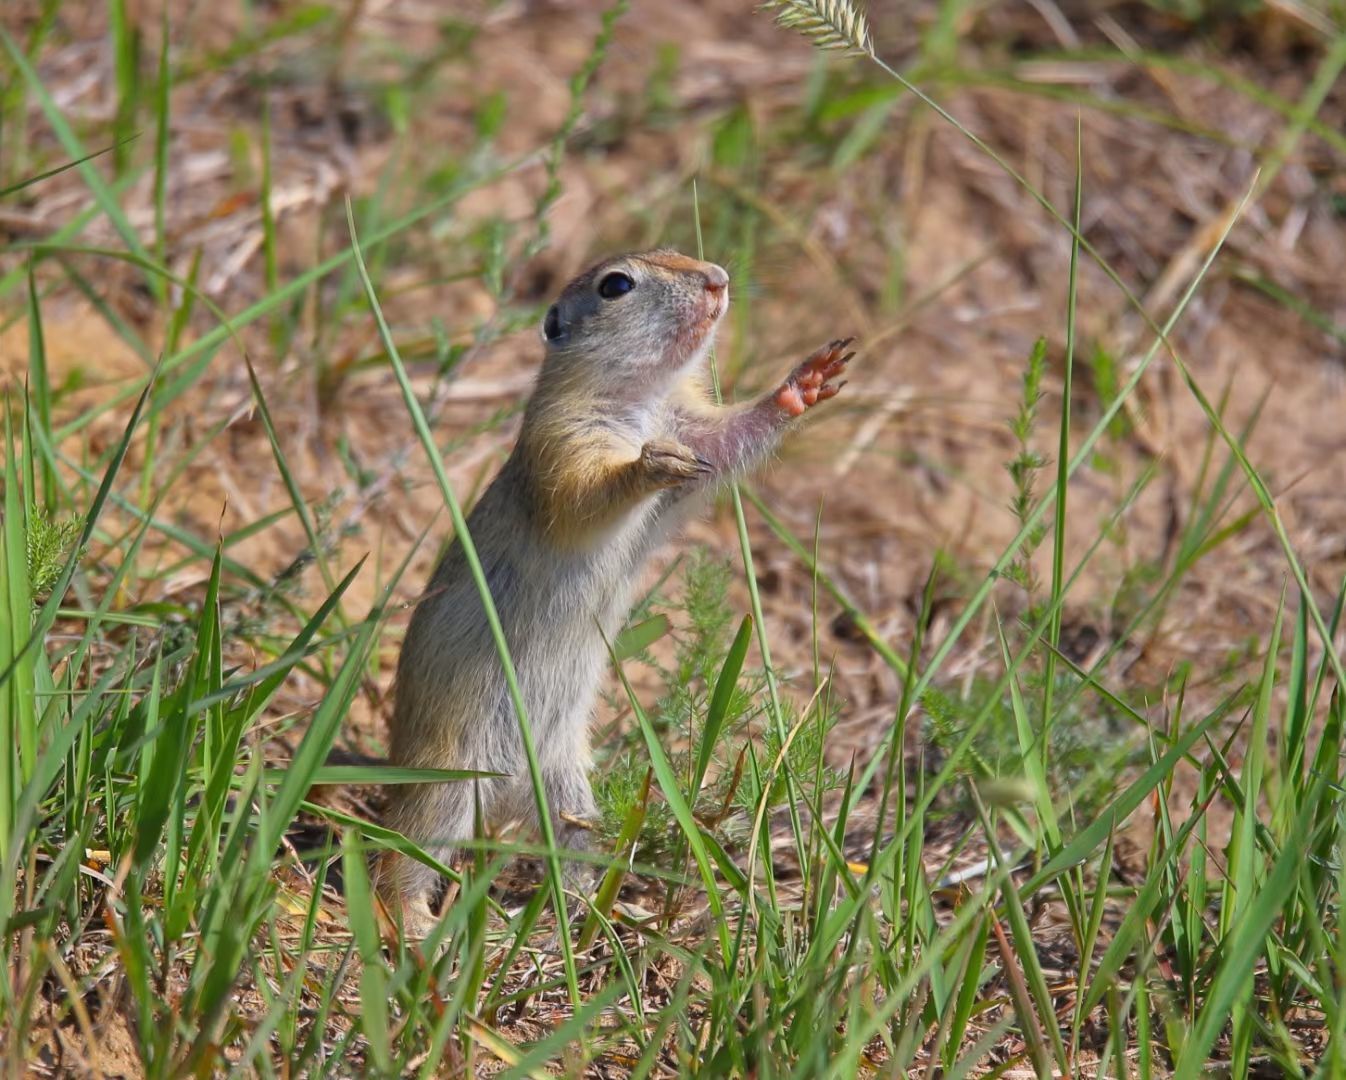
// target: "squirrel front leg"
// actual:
[[594, 481], [732, 439]]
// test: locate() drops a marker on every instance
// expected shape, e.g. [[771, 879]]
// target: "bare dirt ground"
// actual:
[[910, 465]]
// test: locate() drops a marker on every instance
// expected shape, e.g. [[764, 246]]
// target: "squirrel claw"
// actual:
[[668, 463]]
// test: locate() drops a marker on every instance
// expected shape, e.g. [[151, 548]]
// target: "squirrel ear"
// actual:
[[552, 330]]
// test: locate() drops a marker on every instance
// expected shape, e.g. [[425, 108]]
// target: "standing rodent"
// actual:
[[620, 435]]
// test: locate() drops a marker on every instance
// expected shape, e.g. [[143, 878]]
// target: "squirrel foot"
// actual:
[[668, 463], [809, 383], [414, 914]]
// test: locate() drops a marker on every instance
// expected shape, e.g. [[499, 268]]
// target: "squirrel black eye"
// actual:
[[615, 285], [551, 325]]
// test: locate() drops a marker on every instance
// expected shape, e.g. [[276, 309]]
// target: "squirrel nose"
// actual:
[[717, 279]]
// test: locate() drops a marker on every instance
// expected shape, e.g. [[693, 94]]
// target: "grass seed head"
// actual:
[[829, 24]]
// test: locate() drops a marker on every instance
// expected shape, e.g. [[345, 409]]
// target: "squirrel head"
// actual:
[[651, 315]]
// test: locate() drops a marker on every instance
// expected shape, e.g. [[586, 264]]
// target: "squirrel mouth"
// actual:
[[694, 334], [719, 304]]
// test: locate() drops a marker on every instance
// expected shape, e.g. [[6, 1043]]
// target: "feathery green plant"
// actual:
[[49, 544]]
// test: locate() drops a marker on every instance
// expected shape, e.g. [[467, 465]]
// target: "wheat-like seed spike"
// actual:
[[831, 24]]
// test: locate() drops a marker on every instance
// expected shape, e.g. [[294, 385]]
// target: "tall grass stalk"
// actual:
[[464, 539]]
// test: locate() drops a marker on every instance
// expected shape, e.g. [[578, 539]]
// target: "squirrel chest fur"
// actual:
[[620, 442]]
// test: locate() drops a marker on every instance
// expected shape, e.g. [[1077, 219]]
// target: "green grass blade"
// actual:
[[682, 812], [65, 166], [1088, 839], [464, 539], [719, 702], [360, 907], [103, 196], [1243, 948]]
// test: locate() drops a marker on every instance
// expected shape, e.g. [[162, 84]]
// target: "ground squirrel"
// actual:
[[621, 434]]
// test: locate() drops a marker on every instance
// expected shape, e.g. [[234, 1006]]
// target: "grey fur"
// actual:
[[552, 604], [559, 600]]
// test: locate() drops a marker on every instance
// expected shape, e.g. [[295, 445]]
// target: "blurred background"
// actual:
[[491, 150]]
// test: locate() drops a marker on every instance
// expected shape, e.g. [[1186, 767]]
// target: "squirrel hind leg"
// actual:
[[573, 812], [439, 817], [407, 889]]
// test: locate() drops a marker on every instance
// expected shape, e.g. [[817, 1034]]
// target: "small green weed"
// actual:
[[50, 545]]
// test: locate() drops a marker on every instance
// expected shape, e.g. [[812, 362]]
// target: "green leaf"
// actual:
[[720, 699], [634, 640], [386, 774], [63, 167], [1244, 947], [373, 1014]]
